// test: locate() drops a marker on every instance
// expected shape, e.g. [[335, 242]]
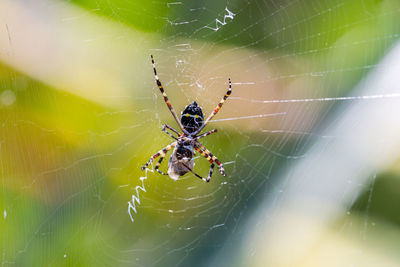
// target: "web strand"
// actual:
[[322, 99]]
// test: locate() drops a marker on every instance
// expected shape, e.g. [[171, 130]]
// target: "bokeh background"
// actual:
[[310, 137]]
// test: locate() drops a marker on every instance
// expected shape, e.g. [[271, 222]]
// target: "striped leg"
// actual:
[[172, 129], [204, 154], [210, 157], [166, 97], [157, 168], [161, 153], [210, 172], [206, 134], [165, 131], [228, 93]]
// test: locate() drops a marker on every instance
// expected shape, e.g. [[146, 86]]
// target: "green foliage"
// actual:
[[148, 16]]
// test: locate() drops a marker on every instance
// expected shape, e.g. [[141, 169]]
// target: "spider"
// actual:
[[191, 124]]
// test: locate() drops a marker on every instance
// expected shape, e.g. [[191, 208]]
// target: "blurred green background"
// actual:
[[80, 114]]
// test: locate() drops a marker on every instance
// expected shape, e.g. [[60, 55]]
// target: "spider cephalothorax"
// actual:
[[186, 143], [192, 117]]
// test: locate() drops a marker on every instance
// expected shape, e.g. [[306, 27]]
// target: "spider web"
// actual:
[[309, 137]]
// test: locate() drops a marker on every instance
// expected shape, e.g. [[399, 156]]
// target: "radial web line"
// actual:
[[322, 99], [252, 116]]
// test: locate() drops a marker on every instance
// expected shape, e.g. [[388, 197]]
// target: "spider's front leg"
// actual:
[[160, 154], [211, 158]]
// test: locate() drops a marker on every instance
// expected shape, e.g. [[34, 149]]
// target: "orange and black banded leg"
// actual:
[[210, 172], [162, 156], [206, 134], [204, 154], [161, 153], [166, 97], [210, 157], [228, 93]]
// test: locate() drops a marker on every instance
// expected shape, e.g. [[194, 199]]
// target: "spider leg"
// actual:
[[166, 97], [172, 129], [228, 93], [210, 172], [210, 157], [206, 134], [157, 168], [198, 176], [161, 153], [165, 131]]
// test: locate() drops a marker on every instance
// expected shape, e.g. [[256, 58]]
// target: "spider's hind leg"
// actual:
[[166, 100], [228, 93]]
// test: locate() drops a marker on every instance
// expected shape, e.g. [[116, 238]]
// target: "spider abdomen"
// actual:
[[192, 117]]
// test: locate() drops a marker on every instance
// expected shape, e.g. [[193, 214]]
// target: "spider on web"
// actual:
[[191, 123]]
